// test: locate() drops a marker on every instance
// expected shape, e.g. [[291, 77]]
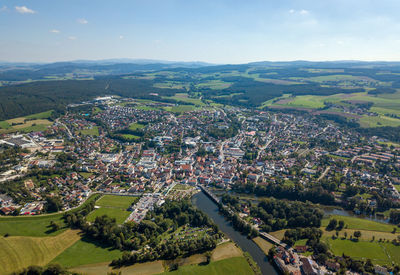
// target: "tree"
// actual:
[[54, 204], [332, 224], [357, 234], [345, 235]]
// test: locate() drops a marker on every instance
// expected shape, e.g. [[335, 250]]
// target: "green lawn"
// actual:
[[358, 223], [236, 265], [113, 206], [365, 250], [4, 125], [116, 201], [180, 108], [94, 131], [135, 126], [120, 215], [35, 226], [86, 252], [183, 97]]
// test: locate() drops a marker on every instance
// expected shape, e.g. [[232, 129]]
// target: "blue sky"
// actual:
[[218, 31]]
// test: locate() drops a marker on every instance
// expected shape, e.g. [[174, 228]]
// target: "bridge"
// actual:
[[210, 194]]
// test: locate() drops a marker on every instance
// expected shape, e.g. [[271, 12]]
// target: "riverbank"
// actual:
[[205, 204]]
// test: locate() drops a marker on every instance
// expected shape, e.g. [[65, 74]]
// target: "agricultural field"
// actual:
[[30, 225], [35, 122], [35, 226], [113, 206], [386, 106], [19, 252], [379, 253], [85, 252], [184, 98], [225, 251], [236, 265]]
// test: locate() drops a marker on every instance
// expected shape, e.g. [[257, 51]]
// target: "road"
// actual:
[[324, 173], [264, 147]]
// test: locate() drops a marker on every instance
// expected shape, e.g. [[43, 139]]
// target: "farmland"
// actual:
[[34, 226], [19, 252], [86, 252], [35, 122]]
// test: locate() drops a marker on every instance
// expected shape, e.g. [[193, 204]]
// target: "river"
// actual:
[[205, 204]]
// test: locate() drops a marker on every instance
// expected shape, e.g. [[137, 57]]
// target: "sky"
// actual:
[[216, 31]]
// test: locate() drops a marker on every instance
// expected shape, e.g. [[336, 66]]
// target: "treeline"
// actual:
[[237, 222], [253, 93], [52, 269], [279, 214], [35, 97], [389, 133], [314, 194]]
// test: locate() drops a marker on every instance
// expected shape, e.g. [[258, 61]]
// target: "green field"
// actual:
[[358, 223], [113, 206], [20, 252], [116, 201], [35, 226], [184, 98], [4, 125], [378, 252], [42, 115], [86, 252], [130, 137], [379, 121], [236, 265], [94, 131], [119, 214], [383, 104], [180, 108], [135, 126]]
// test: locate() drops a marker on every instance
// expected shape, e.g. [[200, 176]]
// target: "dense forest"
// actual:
[[35, 97]]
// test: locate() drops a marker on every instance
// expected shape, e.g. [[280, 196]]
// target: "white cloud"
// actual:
[[54, 31], [82, 21], [121, 37], [24, 9], [304, 12], [4, 8], [301, 12], [72, 38]]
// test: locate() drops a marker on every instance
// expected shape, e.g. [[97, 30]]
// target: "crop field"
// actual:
[[85, 252], [20, 252]]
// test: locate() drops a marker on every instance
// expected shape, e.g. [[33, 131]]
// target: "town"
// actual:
[[128, 147]]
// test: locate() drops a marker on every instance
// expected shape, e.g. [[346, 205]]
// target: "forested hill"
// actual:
[[35, 97]]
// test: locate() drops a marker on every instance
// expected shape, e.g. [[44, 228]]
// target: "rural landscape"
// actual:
[[199, 137]]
